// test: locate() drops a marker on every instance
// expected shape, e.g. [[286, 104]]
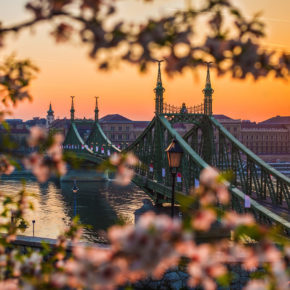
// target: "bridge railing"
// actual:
[[262, 214], [171, 109], [254, 176]]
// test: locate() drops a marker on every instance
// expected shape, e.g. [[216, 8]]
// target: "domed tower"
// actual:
[[49, 117]]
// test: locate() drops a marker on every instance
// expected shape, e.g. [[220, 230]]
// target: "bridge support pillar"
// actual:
[[158, 200]]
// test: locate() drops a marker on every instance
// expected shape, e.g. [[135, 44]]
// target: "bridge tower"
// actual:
[[97, 110], [72, 110], [159, 90], [208, 91], [158, 134]]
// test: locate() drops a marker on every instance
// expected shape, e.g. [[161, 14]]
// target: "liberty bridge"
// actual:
[[207, 143]]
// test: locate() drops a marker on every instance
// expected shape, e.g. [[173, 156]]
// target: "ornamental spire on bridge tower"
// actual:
[[96, 110], [208, 91], [72, 110], [159, 90]]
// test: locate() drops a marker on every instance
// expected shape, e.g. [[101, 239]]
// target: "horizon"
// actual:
[[102, 116]]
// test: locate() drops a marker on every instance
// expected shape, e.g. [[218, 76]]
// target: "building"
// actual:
[[269, 139], [60, 125], [120, 130], [17, 133], [36, 121]]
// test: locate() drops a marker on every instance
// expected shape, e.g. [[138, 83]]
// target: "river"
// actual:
[[99, 204]]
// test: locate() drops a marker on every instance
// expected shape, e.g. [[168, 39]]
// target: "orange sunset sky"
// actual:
[[66, 70]]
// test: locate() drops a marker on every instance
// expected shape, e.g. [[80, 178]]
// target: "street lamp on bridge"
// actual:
[[174, 155], [75, 189]]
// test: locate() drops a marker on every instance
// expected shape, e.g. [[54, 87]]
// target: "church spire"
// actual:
[[72, 110], [208, 91], [50, 111], [49, 117], [159, 90], [96, 110]]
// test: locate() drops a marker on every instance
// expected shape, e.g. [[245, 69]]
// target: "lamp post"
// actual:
[[174, 155], [33, 223], [75, 189]]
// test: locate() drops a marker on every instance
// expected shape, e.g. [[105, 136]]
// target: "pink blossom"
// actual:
[[203, 219], [5, 166], [232, 219], [115, 159], [125, 169], [10, 284], [223, 194], [212, 189], [245, 255], [208, 176], [204, 265], [257, 285], [43, 165], [36, 163], [37, 135], [147, 247]]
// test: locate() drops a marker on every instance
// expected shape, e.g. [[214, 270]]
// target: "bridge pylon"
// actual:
[[72, 110], [97, 141], [96, 110], [208, 91], [73, 141], [159, 90]]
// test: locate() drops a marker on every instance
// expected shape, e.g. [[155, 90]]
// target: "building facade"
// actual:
[[120, 130], [269, 139]]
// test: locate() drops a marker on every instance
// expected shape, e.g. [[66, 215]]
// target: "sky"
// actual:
[[65, 70]]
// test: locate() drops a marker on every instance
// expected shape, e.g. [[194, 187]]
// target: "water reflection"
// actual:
[[99, 204]]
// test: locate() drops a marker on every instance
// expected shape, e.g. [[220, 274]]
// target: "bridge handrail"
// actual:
[[248, 152], [235, 191], [261, 209], [91, 157]]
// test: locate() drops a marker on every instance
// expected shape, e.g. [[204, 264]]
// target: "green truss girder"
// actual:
[[260, 179], [96, 144], [73, 139], [98, 140]]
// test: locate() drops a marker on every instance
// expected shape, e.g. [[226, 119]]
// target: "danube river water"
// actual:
[[99, 205]]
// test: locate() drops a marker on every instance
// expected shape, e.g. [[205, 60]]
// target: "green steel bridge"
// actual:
[[206, 143]]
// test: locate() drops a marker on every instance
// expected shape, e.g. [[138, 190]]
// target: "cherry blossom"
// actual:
[[5, 166]]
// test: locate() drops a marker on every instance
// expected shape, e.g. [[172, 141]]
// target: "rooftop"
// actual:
[[114, 118], [278, 120]]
